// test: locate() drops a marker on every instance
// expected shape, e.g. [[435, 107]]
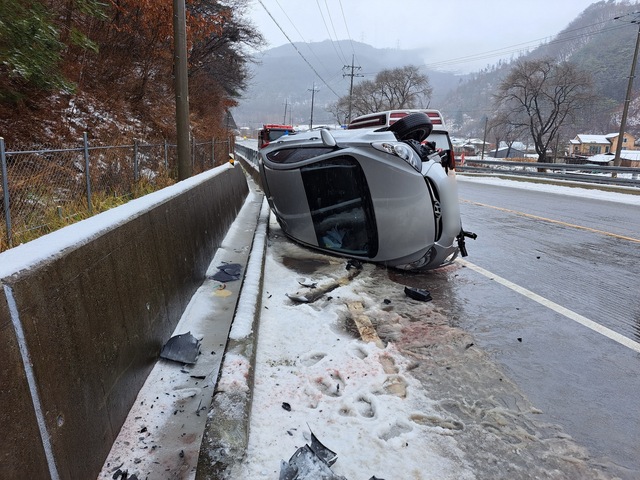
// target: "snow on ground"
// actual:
[[572, 191], [358, 399], [312, 374]]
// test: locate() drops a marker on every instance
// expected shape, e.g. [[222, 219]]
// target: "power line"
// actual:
[[344, 19], [520, 47], [342, 59], [302, 37], [297, 50], [333, 27]]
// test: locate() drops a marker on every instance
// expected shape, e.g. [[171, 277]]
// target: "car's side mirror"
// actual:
[[327, 138]]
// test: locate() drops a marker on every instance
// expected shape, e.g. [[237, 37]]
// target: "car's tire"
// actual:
[[416, 126]]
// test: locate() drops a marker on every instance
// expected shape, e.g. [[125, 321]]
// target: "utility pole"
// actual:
[[625, 109], [181, 88], [352, 74], [284, 118], [484, 140], [313, 93]]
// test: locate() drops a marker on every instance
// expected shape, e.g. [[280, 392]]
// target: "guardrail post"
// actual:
[[193, 152], [86, 169], [135, 161], [5, 189], [166, 154]]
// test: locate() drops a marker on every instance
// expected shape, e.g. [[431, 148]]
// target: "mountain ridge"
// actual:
[[595, 40], [281, 76]]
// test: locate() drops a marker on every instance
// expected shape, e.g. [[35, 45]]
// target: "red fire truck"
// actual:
[[271, 132]]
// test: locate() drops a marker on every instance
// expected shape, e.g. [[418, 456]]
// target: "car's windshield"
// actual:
[[276, 134]]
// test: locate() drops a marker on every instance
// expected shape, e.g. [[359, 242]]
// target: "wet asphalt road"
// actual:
[[555, 252]]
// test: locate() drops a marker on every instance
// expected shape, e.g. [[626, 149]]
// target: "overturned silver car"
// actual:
[[374, 195]]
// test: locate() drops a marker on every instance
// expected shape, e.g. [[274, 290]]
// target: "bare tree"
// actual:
[[540, 96], [403, 87], [505, 131], [339, 110], [367, 97]]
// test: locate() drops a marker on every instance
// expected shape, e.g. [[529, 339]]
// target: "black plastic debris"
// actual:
[[310, 462], [418, 294], [353, 263], [124, 475], [183, 348], [228, 272]]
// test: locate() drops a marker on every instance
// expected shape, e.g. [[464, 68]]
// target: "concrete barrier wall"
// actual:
[[81, 328]]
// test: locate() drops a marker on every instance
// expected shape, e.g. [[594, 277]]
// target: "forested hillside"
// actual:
[[107, 67], [597, 42]]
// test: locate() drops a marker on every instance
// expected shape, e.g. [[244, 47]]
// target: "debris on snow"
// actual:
[[310, 463], [418, 294], [183, 348], [228, 272], [315, 292]]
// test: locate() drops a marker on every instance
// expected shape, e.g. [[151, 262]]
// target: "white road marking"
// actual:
[[576, 317]]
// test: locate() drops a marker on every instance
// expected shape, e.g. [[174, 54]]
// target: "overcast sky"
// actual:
[[445, 31]]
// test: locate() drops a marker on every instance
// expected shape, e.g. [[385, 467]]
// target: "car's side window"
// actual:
[[295, 155], [341, 207]]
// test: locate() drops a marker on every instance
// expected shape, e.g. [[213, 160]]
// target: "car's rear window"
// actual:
[[341, 207]]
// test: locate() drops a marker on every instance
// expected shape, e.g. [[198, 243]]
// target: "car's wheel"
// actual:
[[416, 126]]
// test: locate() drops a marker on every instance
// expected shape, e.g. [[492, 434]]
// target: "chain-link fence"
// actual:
[[47, 188]]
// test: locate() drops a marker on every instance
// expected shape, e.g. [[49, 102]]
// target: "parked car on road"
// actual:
[[369, 194], [389, 117]]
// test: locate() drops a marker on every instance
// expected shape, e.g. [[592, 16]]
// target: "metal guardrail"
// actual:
[[588, 173], [251, 154]]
